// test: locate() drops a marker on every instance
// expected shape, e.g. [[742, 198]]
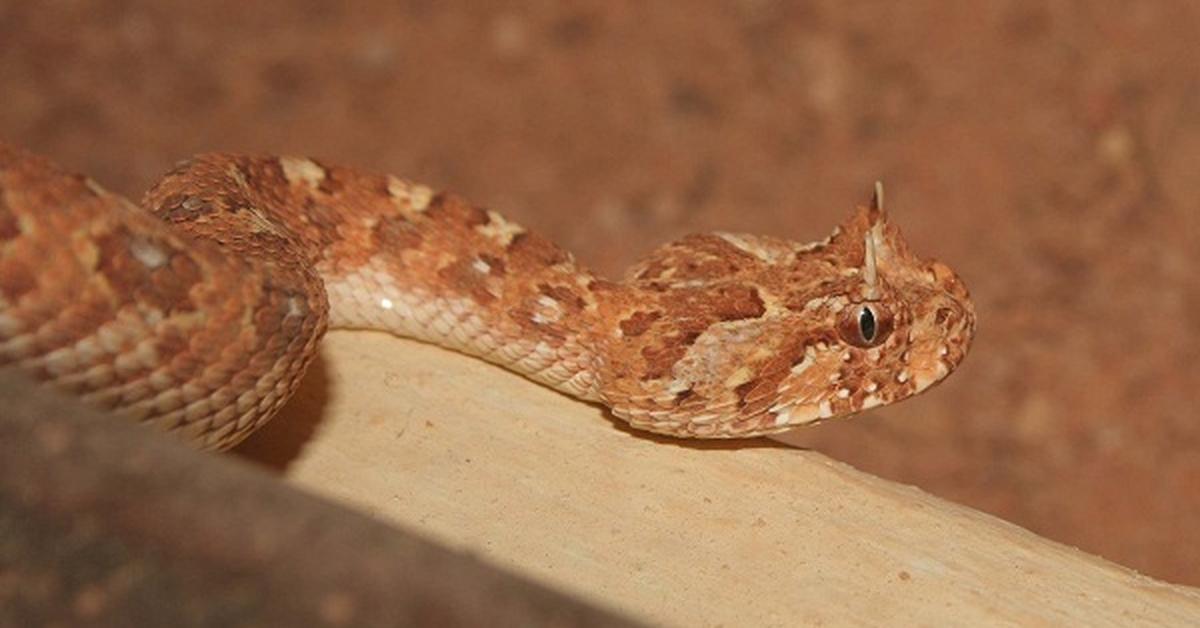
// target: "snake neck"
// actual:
[[544, 325]]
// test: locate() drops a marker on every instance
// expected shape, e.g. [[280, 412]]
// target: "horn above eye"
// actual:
[[865, 325]]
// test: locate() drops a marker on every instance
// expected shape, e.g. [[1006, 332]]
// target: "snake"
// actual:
[[199, 309]]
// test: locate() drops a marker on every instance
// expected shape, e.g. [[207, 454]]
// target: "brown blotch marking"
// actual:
[[532, 249], [461, 276], [708, 256], [274, 322], [166, 288], [394, 232], [449, 207], [797, 301], [797, 359], [170, 341], [10, 228], [601, 285], [552, 333], [17, 279], [496, 266], [684, 397], [661, 358], [269, 316], [331, 183], [383, 188], [653, 270], [262, 174], [321, 222], [706, 268], [743, 390], [563, 295], [233, 202], [756, 395], [173, 283], [473, 216], [737, 302], [638, 323]]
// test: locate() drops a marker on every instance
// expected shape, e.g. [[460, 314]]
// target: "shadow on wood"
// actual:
[[104, 523]]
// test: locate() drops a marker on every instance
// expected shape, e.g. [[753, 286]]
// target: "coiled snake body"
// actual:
[[200, 310]]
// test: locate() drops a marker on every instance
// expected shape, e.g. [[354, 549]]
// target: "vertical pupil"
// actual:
[[866, 324]]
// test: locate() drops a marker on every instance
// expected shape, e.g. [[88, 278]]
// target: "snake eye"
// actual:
[[866, 325]]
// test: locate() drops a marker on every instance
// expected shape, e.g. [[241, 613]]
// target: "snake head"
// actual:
[[729, 335]]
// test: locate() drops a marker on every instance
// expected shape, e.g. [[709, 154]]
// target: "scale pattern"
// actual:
[[200, 310]]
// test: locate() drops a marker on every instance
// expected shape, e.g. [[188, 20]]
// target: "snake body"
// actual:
[[199, 310]]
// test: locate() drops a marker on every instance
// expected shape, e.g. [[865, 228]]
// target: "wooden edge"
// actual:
[[674, 533], [104, 523]]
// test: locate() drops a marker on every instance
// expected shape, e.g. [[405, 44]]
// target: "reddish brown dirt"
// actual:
[[1047, 150]]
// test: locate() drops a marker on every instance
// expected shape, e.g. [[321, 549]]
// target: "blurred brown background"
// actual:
[[1047, 150]]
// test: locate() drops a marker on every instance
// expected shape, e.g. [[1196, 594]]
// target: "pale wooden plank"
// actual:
[[714, 534]]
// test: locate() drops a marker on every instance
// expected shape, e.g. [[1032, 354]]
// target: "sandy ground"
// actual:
[[1046, 150]]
